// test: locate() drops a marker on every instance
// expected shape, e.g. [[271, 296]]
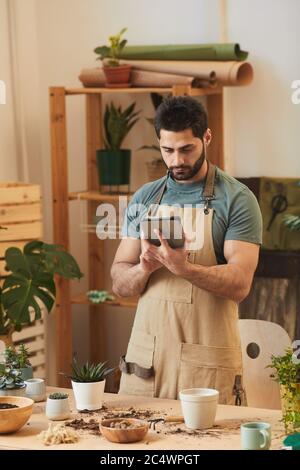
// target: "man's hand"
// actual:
[[148, 262], [175, 260]]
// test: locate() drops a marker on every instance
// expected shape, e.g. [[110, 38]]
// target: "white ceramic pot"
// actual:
[[88, 395], [57, 408], [13, 392], [36, 389], [199, 406]]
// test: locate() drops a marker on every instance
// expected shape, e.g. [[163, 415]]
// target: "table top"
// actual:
[[224, 435]]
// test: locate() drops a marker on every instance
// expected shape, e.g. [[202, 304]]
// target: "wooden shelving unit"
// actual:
[[92, 195], [119, 301]]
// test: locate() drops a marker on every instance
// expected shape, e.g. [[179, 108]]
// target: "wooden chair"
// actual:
[[259, 340]]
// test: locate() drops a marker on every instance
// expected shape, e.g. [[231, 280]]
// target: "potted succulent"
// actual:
[[57, 406], [117, 76], [88, 382], [287, 374], [30, 284], [19, 359], [114, 162], [11, 382]]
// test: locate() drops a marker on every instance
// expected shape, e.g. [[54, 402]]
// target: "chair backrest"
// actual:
[[259, 340]]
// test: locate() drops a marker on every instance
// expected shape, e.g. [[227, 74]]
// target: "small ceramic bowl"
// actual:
[[116, 434], [12, 419]]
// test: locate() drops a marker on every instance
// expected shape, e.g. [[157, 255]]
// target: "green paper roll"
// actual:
[[221, 51]]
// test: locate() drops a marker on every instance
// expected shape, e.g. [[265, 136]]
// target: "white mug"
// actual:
[[36, 389]]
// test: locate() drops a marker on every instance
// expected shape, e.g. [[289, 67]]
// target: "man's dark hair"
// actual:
[[177, 113]]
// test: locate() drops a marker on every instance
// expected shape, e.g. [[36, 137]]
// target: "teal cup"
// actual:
[[255, 436]]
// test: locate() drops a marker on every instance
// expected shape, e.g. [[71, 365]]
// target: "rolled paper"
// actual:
[[144, 78], [207, 52], [92, 77], [95, 77], [229, 73]]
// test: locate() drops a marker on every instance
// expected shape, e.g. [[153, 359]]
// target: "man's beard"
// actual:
[[186, 172]]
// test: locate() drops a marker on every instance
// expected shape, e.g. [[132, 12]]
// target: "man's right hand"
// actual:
[[148, 263]]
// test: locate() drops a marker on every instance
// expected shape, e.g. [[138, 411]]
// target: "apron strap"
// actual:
[[208, 193], [133, 368]]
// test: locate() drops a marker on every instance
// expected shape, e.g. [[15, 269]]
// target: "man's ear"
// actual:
[[207, 136]]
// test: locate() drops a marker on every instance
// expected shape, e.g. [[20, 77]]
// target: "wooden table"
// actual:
[[225, 434]]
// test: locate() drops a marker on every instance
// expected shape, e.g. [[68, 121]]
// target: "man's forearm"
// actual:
[[128, 279], [225, 280]]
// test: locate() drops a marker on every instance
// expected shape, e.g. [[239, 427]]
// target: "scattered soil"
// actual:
[[92, 425], [88, 421], [7, 406]]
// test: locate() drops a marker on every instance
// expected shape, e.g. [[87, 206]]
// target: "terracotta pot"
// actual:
[[117, 77]]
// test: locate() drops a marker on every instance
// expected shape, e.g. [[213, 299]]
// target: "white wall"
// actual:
[[54, 39], [264, 137], [8, 148]]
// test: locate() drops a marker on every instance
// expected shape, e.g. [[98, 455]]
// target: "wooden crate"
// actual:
[[21, 218]]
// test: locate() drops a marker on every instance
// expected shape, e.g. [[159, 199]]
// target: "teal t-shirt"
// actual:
[[236, 215]]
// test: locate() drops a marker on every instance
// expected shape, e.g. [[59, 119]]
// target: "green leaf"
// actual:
[[16, 261], [123, 30], [123, 44], [117, 124], [103, 51]]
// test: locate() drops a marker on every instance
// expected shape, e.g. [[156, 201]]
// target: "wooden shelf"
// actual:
[[96, 196], [94, 91], [118, 302]]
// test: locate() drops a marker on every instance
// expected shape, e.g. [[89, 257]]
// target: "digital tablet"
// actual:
[[170, 227]]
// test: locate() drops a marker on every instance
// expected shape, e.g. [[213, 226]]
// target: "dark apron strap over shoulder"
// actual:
[[208, 193]]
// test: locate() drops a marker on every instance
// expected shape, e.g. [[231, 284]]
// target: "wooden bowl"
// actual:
[[124, 435], [12, 419]]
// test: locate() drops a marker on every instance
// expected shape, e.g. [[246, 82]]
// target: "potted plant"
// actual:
[[287, 374], [57, 406], [19, 359], [156, 168], [30, 284], [114, 162], [88, 382], [11, 382], [117, 76]]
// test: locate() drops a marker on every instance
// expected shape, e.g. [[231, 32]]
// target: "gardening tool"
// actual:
[[279, 204], [165, 419], [238, 390]]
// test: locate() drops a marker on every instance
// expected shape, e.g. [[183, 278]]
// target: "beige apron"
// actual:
[[184, 336]]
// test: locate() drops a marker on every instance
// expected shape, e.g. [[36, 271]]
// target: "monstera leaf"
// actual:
[[31, 282]]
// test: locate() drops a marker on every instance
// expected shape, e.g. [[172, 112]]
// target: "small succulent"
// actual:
[[58, 396], [17, 358], [10, 378], [89, 372]]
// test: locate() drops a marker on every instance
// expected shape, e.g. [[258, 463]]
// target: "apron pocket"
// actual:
[[164, 285], [209, 367], [140, 352]]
